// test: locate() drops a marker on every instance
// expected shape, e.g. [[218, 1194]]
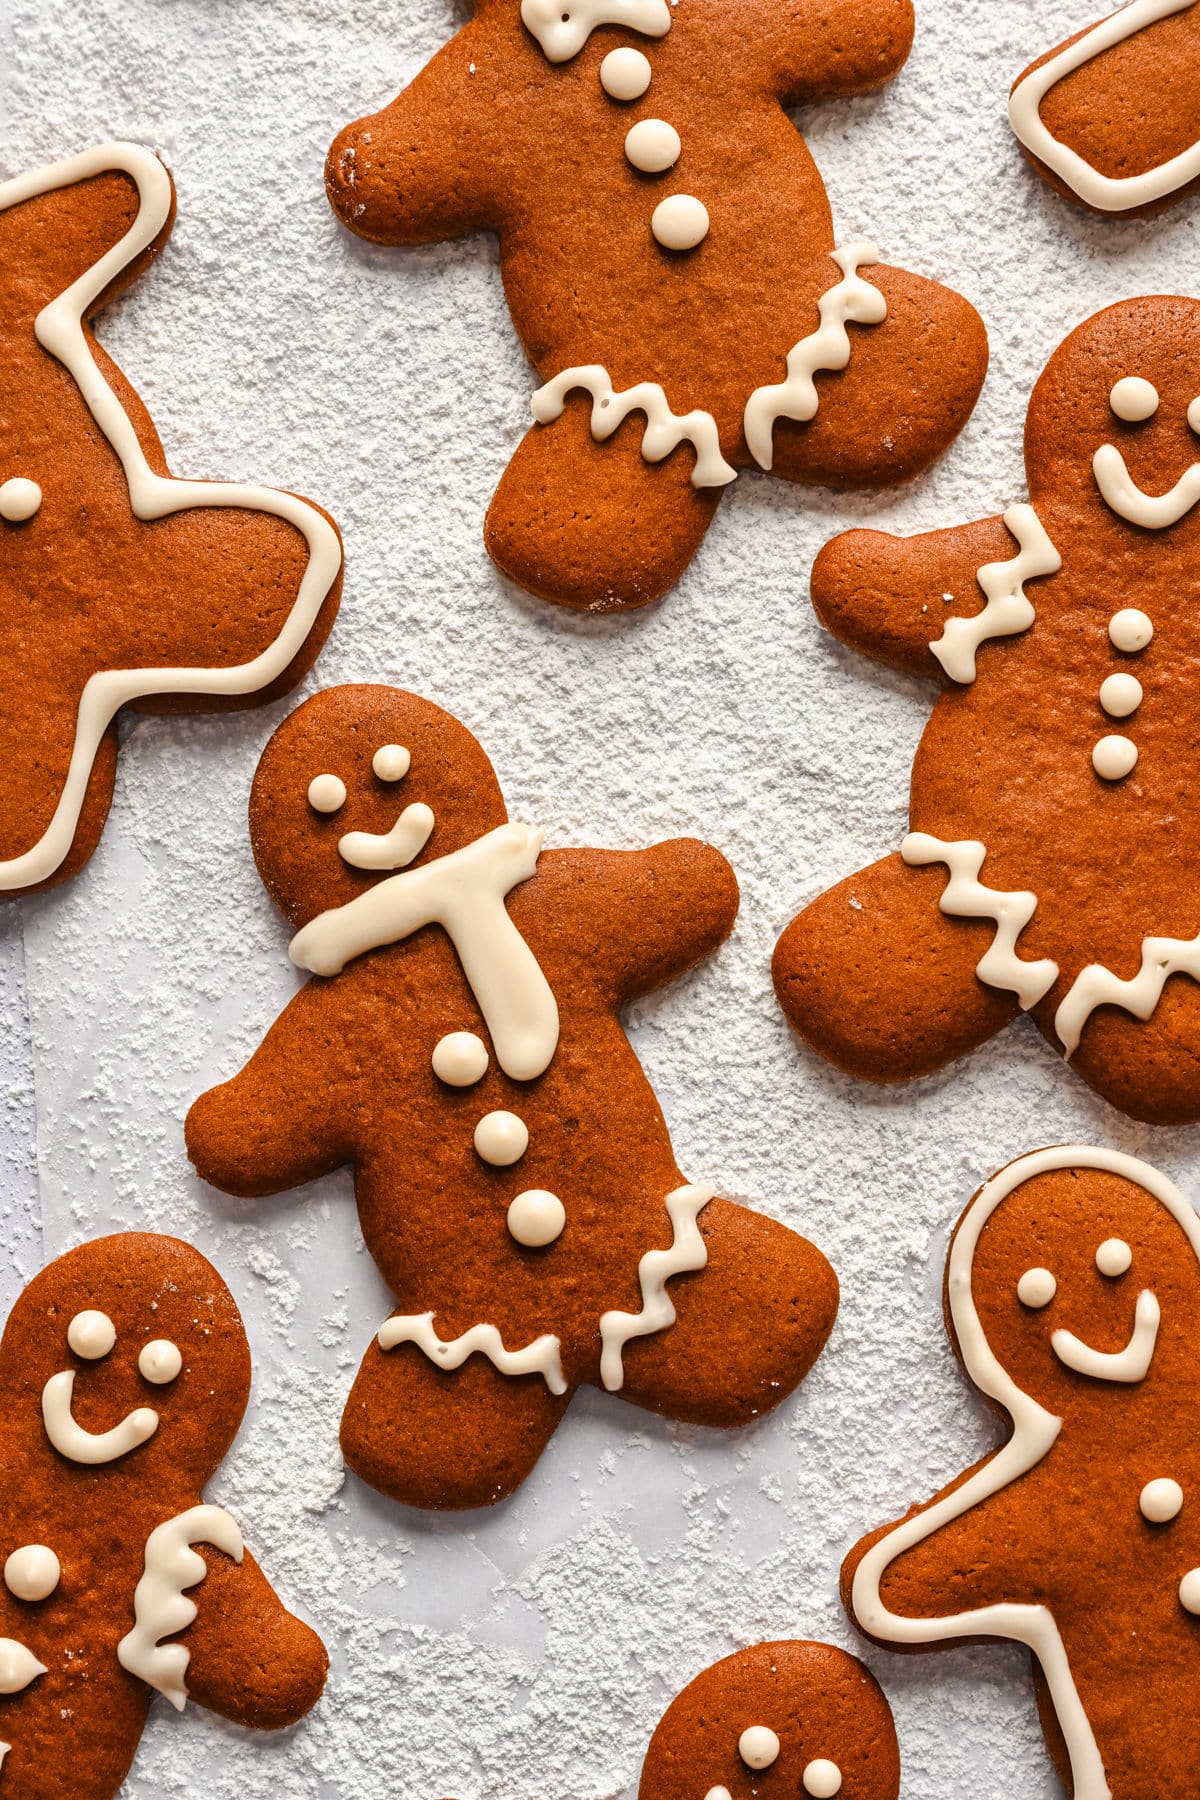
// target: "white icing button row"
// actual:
[[1161, 1501], [501, 1138], [32, 1572], [679, 222], [1130, 630], [653, 146], [19, 500], [625, 74], [1121, 695], [537, 1217], [1114, 757]]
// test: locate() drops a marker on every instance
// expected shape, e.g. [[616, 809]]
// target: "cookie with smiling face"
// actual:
[[124, 1374], [1054, 820], [1073, 1301], [668, 256], [460, 1046]]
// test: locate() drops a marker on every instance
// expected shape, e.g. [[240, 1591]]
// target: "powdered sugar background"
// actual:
[[526, 1653]]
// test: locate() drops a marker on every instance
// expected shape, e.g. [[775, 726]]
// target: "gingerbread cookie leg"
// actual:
[[880, 982]]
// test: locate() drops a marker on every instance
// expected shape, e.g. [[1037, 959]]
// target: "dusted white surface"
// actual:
[[526, 1654]]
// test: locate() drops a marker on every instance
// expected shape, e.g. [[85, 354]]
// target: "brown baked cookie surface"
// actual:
[[1072, 1299], [1110, 118], [124, 1371], [1055, 829], [119, 584], [668, 252], [461, 1047]]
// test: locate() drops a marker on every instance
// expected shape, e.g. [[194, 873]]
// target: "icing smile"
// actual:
[[1130, 1364], [71, 1440], [1134, 400]]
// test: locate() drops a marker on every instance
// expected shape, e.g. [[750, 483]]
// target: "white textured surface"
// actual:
[[527, 1654]]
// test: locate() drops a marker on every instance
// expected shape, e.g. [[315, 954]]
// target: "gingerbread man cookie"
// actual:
[[124, 1374], [1073, 1301], [667, 249], [1110, 118], [120, 586], [1055, 827], [462, 1049]]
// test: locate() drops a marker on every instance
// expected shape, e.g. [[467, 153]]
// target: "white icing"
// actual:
[[563, 27], [72, 1441], [1036, 1288], [1008, 609], [161, 1606], [718, 1793], [464, 893], [460, 1059], [1130, 630], [688, 1251], [537, 1218], [32, 1572], [1114, 757], [541, 1357], [391, 762], [501, 1138], [965, 897], [680, 222], [1096, 986], [1189, 1591], [1161, 1501], [1105, 192], [1034, 1433], [664, 429], [1114, 1257], [1134, 399], [1132, 1364], [1120, 695], [625, 74], [326, 793], [396, 848], [1193, 414], [758, 1747], [60, 331], [18, 1666], [1155, 512], [20, 499], [822, 1779], [826, 349], [91, 1335], [651, 145], [160, 1361]]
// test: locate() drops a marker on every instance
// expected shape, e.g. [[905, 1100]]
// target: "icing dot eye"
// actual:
[[1193, 415], [652, 146], [19, 499], [32, 1572], [680, 222], [1134, 400], [1161, 1500], [91, 1335], [1036, 1288], [501, 1138], [537, 1218], [460, 1059], [822, 1779], [326, 793], [625, 74], [160, 1361], [391, 762], [1130, 630], [1113, 1257], [758, 1746], [1189, 1591]]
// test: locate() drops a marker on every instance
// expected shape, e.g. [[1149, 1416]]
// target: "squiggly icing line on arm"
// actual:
[[965, 897], [1105, 192], [825, 350], [1096, 986], [563, 27], [664, 429], [688, 1251], [59, 330], [541, 1357], [1008, 609], [90, 1447], [160, 1605]]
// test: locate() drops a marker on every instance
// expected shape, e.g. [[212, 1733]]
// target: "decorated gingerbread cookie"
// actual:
[[668, 251], [1110, 118], [1055, 827], [1073, 1300], [124, 1372], [461, 1048], [120, 586]]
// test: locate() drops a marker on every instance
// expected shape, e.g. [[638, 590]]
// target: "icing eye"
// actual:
[[1036, 1288], [91, 1335], [758, 1746], [1194, 415], [1134, 400], [822, 1779], [326, 793], [19, 499], [391, 762], [160, 1361], [32, 1572], [1113, 1257], [1189, 1591]]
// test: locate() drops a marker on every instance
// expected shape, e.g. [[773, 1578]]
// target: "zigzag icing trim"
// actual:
[[1008, 609], [563, 27], [688, 1251], [161, 1606], [541, 1357], [1096, 986], [664, 429], [965, 897]]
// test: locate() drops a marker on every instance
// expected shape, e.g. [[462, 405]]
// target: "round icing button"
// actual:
[[501, 1138], [1113, 1257], [652, 146], [1193, 415], [160, 1361], [822, 1779], [1130, 630], [91, 1335], [1161, 1500], [1189, 1591], [326, 793], [1114, 757], [32, 1572], [18, 1667], [1036, 1288], [391, 762], [536, 1218], [19, 499], [758, 1746], [460, 1059], [1120, 695], [1134, 399], [625, 74], [680, 222]]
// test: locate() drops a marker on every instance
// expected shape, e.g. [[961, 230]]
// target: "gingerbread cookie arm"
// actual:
[[829, 49], [251, 1660]]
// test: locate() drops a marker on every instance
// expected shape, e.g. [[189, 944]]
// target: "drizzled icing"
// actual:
[[688, 1252], [1009, 609], [18, 1666], [965, 897], [1132, 1364], [563, 27], [1096, 986], [852, 300], [161, 1606], [92, 1447], [60, 331], [464, 893], [397, 847], [1154, 512], [664, 431], [1105, 192], [541, 1357]]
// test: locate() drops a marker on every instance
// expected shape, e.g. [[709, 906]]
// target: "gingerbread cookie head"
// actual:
[[785, 1721]]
